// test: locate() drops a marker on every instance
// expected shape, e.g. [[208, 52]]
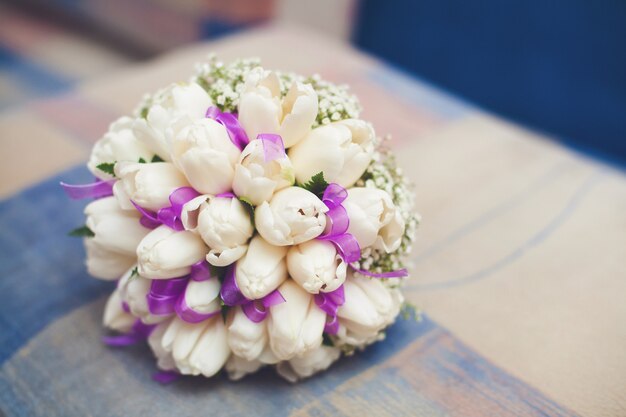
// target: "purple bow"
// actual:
[[330, 302], [273, 146], [138, 332], [337, 216], [169, 216], [255, 310], [97, 189], [235, 131], [167, 296]]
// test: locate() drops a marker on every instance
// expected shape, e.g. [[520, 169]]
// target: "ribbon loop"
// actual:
[[96, 189], [273, 147], [169, 216], [329, 303], [138, 332], [235, 131]]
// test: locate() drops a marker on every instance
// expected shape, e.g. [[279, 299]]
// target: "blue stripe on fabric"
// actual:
[[419, 92], [42, 273]]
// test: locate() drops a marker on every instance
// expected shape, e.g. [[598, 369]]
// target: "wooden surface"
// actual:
[[520, 264]]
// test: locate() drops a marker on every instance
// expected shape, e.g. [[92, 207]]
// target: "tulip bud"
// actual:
[[105, 264], [246, 338], [257, 179], [369, 308], [224, 224], [238, 367], [204, 152], [309, 363], [165, 360], [196, 348], [295, 326], [134, 290], [148, 185], [178, 100], [115, 229], [374, 219], [316, 266], [262, 110], [118, 144], [202, 297], [293, 216], [261, 270], [341, 150], [166, 253], [115, 317]]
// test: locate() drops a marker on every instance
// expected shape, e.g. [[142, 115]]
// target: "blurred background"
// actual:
[[556, 66]]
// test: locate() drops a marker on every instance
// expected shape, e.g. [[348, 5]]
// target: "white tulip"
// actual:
[[196, 348], [165, 360], [293, 215], [374, 219], [223, 223], [166, 253], [115, 229], [368, 309], [203, 297], [148, 185], [246, 338], [309, 363], [204, 152], [106, 264], [118, 144], [295, 326], [257, 180], [134, 290], [238, 367], [341, 150], [261, 270], [177, 101], [316, 266], [262, 110], [115, 317]]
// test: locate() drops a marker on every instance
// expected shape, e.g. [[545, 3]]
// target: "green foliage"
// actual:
[[107, 167], [317, 184], [82, 231], [157, 158]]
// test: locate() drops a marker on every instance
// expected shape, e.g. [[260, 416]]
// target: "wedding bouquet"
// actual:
[[250, 218]]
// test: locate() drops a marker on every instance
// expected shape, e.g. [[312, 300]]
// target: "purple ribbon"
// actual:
[[169, 216], [167, 296], [96, 189], [165, 377], [329, 302], [273, 146], [138, 332], [337, 216], [255, 310], [235, 131]]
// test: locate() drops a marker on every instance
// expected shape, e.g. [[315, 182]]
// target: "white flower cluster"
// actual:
[[222, 236]]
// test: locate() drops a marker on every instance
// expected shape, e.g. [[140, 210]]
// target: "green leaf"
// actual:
[[82, 231], [157, 158], [326, 340], [141, 160], [134, 273], [317, 184], [249, 207], [107, 167], [144, 113]]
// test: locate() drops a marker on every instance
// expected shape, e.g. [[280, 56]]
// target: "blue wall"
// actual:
[[559, 66]]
